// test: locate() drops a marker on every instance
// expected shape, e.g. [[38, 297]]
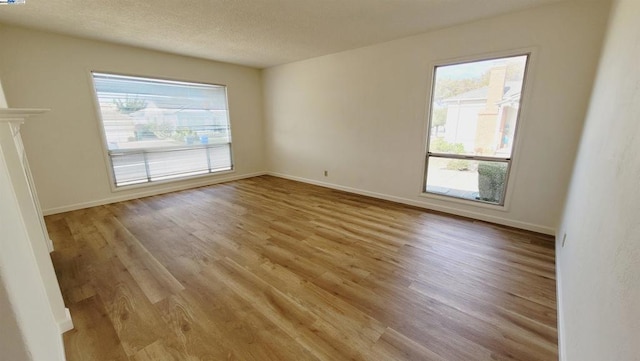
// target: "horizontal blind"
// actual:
[[159, 129], [129, 168]]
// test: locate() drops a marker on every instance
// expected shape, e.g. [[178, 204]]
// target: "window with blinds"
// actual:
[[160, 130]]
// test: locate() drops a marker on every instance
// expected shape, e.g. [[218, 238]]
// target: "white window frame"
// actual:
[[172, 179], [510, 161]]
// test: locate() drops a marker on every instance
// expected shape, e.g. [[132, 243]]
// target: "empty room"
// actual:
[[320, 180]]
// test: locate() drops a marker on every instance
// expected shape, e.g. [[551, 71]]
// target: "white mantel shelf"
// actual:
[[19, 114]]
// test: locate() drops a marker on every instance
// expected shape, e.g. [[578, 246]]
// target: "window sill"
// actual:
[[466, 202], [173, 181]]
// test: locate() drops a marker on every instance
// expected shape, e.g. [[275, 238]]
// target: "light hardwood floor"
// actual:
[[271, 269]]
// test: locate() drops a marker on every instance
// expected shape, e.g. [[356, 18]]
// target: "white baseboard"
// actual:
[[562, 352], [412, 202], [146, 193], [66, 324], [426, 205], [62, 355], [63, 326]]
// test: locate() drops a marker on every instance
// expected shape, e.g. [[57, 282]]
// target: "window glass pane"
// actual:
[[159, 129], [220, 157], [475, 107], [129, 168], [177, 162], [468, 179], [474, 114]]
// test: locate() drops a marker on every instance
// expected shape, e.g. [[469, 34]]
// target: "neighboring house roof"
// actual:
[[511, 89]]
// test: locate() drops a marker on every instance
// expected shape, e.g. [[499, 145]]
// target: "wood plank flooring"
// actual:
[[271, 269]]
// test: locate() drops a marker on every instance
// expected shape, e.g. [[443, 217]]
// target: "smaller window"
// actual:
[[474, 114], [159, 129]]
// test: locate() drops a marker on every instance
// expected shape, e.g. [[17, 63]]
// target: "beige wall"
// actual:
[[599, 265], [42, 70], [361, 114]]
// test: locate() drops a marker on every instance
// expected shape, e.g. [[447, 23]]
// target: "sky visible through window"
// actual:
[[467, 70]]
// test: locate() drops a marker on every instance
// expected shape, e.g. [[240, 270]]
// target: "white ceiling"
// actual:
[[259, 33]]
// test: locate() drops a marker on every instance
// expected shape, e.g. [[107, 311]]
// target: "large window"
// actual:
[[159, 130], [472, 127]]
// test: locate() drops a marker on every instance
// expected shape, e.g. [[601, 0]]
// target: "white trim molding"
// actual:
[[25, 263], [146, 192], [475, 215]]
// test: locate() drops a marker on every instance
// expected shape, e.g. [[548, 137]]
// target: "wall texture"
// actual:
[[42, 70], [11, 342], [599, 265], [361, 114]]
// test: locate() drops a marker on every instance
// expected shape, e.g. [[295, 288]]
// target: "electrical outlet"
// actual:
[[326, 173], [564, 239]]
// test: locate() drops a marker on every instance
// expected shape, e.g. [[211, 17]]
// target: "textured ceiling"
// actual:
[[259, 33]]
